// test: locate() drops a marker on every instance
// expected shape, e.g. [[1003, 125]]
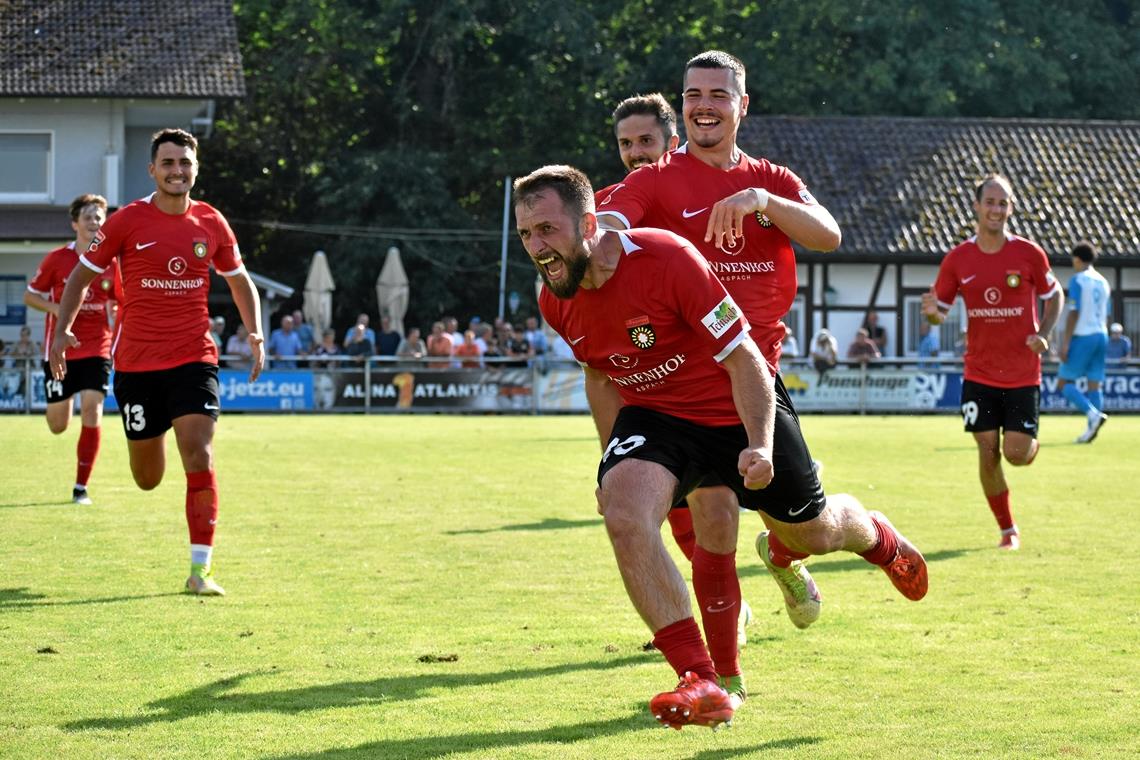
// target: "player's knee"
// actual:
[[147, 481], [1018, 457], [57, 427]]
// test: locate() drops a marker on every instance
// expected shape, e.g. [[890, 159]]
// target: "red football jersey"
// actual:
[[658, 328], [1000, 291], [165, 263], [759, 270], [91, 327]]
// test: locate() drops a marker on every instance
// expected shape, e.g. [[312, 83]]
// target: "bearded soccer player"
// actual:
[[677, 391], [742, 214], [1000, 276], [89, 364], [166, 364]]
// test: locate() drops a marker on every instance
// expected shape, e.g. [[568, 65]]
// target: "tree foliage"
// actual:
[[405, 114]]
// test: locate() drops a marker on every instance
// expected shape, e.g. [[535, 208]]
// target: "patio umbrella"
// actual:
[[392, 290], [319, 287]]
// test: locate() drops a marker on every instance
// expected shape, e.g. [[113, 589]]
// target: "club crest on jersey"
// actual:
[[641, 332], [200, 248], [724, 316], [763, 219], [623, 362], [1013, 279]]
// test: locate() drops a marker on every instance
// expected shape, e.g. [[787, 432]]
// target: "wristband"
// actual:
[[761, 199]]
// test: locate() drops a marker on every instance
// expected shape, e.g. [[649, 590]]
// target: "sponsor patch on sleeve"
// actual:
[[723, 316], [806, 197], [96, 242], [1050, 280]]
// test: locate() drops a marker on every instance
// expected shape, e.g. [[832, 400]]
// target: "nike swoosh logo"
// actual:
[[690, 214], [140, 246], [720, 609], [967, 279], [576, 341], [1027, 425], [794, 512], [212, 407]]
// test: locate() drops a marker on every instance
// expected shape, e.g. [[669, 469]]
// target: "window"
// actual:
[[949, 332], [794, 319], [1131, 320], [27, 161], [12, 309]]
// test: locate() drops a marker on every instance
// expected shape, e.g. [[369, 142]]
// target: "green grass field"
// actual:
[[423, 587]]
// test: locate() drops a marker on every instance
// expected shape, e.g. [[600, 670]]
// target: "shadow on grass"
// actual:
[[21, 598], [550, 523], [731, 752], [16, 505], [819, 565], [220, 696]]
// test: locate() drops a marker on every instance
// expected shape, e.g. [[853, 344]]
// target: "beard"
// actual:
[[574, 266]]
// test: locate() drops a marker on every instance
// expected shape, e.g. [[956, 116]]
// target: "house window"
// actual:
[[794, 319], [1131, 321], [27, 161], [12, 309], [949, 332]]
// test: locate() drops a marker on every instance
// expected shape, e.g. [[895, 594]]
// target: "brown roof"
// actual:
[[141, 48], [905, 186]]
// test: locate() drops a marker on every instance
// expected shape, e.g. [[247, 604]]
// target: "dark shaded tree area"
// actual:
[[406, 116]]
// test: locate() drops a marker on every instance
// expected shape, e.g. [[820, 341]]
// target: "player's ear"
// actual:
[[673, 142], [744, 104], [589, 224]]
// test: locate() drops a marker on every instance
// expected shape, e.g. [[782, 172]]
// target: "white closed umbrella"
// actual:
[[392, 290], [319, 287]]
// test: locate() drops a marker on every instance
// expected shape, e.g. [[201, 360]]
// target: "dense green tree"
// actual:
[[371, 123]]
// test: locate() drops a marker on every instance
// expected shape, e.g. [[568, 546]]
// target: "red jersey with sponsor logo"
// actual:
[[658, 328], [759, 270], [165, 262], [1000, 292], [91, 327]]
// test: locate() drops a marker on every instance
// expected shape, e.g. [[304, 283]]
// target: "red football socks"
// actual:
[[884, 551], [717, 589], [999, 505], [781, 555], [681, 523], [681, 644], [85, 452], [201, 506]]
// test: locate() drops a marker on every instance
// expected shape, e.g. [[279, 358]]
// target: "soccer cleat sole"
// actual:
[[801, 613]]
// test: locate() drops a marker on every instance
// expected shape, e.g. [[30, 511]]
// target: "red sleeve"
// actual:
[[45, 277], [108, 243], [946, 286], [227, 261], [630, 199], [1043, 279], [787, 185], [704, 302]]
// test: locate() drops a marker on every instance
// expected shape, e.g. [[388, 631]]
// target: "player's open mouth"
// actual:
[[705, 122], [551, 265]]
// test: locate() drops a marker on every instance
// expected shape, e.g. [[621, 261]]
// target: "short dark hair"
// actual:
[[83, 201], [1085, 251], [654, 104], [718, 59], [980, 185], [176, 136], [572, 186]]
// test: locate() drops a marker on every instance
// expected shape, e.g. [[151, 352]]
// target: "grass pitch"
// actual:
[[424, 587]]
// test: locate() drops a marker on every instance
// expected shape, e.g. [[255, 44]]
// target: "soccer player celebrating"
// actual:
[[1000, 277], [742, 214], [166, 364], [89, 364], [678, 391], [1085, 342]]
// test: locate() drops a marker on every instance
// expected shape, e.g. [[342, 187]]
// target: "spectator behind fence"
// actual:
[[412, 347], [24, 348], [468, 353], [1119, 346], [361, 319], [927, 346], [518, 347], [536, 337], [877, 332], [439, 344], [451, 327], [304, 332], [824, 351], [790, 347], [284, 341], [217, 329], [238, 345], [863, 349], [327, 347], [359, 346], [388, 340]]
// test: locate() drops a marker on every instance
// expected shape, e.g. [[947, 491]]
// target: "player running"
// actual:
[[1000, 276], [1085, 340], [742, 214], [89, 364], [166, 364]]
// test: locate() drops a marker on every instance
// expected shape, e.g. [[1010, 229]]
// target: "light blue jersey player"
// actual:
[[1085, 339]]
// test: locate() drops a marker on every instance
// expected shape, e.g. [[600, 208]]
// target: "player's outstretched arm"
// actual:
[[754, 393], [244, 293], [810, 225], [39, 303], [73, 294]]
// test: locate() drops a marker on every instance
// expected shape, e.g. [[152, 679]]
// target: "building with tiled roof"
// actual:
[[902, 192], [83, 86]]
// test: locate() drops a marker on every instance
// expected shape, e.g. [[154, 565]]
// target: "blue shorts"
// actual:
[[1086, 358]]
